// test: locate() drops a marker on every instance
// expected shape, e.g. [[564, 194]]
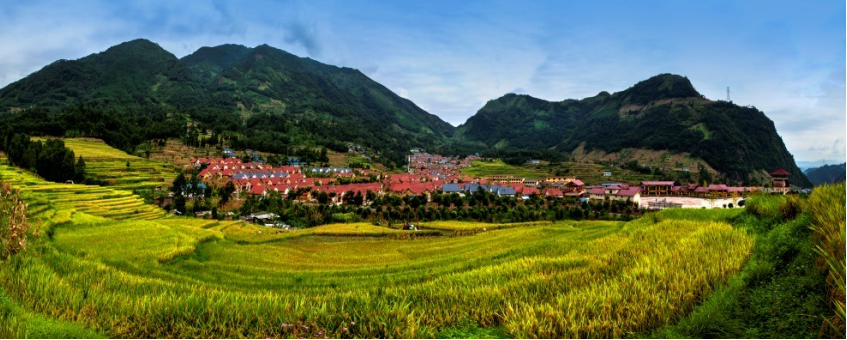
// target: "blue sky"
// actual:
[[450, 57]]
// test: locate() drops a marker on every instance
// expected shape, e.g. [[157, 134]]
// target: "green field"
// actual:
[[498, 167], [589, 173], [109, 165], [109, 265]]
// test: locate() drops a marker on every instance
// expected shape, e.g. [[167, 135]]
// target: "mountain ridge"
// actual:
[[827, 173], [271, 99], [664, 112]]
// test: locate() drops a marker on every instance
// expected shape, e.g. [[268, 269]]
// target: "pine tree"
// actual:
[[79, 170]]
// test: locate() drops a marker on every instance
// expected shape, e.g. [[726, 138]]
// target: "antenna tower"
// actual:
[[727, 93]]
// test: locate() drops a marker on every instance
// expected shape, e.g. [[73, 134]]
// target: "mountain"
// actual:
[[827, 174], [664, 112], [266, 79], [137, 73], [269, 100]]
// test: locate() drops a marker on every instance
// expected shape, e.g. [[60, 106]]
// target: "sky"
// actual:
[[451, 57]]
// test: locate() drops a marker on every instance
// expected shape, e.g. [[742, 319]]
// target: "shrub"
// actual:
[[790, 207], [13, 222]]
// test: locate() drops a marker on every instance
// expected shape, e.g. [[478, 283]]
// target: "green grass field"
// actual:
[[108, 265], [498, 167], [109, 165], [589, 173]]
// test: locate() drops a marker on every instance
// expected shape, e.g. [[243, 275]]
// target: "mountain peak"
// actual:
[[220, 56], [136, 45], [662, 86]]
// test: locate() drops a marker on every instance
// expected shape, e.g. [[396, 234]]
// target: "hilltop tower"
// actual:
[[780, 181]]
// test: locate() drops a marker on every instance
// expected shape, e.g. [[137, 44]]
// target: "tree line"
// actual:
[[50, 160]]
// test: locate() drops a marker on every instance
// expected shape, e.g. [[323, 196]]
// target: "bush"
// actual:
[[13, 222], [790, 207]]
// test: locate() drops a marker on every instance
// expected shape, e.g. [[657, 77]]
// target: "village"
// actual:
[[428, 174]]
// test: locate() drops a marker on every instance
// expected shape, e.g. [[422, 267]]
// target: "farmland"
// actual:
[[590, 173], [113, 266], [118, 169], [106, 264]]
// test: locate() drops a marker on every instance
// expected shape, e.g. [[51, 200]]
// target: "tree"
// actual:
[[323, 198], [179, 204], [323, 156], [178, 184], [226, 192], [79, 170]]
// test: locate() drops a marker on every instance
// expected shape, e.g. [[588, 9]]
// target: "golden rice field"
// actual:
[[108, 265], [108, 164]]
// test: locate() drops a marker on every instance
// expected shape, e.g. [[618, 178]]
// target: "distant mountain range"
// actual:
[[827, 174], [269, 99]]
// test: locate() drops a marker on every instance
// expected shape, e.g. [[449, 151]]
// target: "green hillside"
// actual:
[[132, 74], [661, 113], [263, 97], [827, 174], [304, 99]]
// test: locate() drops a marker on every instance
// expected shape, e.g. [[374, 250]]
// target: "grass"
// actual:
[[119, 273], [498, 167], [19, 323], [792, 285], [589, 173], [827, 205]]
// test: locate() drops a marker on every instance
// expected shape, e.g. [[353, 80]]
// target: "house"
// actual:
[[504, 179], [552, 192], [616, 192], [632, 194], [657, 188], [531, 182], [527, 192], [607, 173], [557, 180], [496, 189], [261, 218], [451, 188], [597, 193], [574, 188]]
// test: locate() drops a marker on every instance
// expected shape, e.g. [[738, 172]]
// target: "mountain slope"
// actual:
[[664, 112], [134, 73], [268, 99], [311, 101], [260, 76], [827, 174]]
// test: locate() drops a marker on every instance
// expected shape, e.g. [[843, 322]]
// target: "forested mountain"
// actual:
[[827, 174], [267, 98], [664, 112], [270, 100], [137, 73], [305, 99]]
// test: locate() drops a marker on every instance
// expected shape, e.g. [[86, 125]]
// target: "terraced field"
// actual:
[[108, 265], [108, 164]]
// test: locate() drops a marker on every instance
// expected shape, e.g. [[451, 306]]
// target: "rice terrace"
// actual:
[[371, 169]]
